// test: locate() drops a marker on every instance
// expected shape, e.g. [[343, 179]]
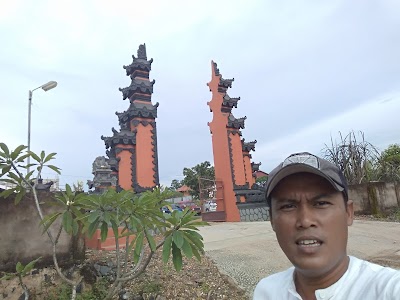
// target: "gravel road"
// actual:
[[249, 251]]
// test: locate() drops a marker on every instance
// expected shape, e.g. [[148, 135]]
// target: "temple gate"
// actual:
[[132, 159], [232, 159]]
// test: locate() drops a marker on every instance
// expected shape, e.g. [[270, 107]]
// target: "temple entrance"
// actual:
[[212, 200]]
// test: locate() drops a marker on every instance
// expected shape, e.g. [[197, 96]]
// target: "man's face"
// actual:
[[311, 222]]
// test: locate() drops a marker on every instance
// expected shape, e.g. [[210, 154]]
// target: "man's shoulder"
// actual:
[[365, 267], [274, 282], [368, 278]]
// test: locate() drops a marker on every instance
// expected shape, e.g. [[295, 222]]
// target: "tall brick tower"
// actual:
[[132, 151]]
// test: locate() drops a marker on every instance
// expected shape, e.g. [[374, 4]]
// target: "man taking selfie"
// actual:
[[310, 213]]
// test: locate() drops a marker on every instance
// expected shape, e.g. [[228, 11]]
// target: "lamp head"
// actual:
[[48, 86]]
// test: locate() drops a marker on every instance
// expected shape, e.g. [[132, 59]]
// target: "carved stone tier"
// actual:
[[250, 146], [104, 177], [138, 110], [230, 102], [124, 137], [137, 86], [255, 166], [235, 123], [140, 63]]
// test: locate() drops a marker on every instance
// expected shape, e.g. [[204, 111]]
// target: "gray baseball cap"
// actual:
[[307, 163]]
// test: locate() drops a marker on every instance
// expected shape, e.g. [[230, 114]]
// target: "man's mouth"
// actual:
[[309, 243]]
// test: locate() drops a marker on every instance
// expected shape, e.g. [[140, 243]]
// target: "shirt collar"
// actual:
[[323, 294]]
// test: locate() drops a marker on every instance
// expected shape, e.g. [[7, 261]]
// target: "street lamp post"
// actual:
[[48, 86]]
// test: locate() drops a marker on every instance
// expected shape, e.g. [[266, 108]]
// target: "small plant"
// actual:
[[63, 292], [21, 271]]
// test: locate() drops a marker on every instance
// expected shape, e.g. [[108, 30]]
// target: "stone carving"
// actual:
[[141, 53], [99, 163]]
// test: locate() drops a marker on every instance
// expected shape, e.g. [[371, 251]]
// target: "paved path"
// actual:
[[249, 251]]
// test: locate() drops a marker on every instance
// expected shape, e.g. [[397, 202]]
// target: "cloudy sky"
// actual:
[[304, 70]]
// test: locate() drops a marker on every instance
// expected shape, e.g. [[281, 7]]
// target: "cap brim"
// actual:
[[298, 168]]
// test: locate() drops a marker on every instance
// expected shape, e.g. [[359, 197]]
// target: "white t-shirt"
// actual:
[[362, 280]]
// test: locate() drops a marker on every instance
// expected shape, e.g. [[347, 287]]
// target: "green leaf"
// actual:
[[22, 158], [104, 231], [136, 257], [115, 228], [5, 170], [30, 266], [151, 241], [5, 149], [48, 220], [7, 180], [194, 239], [19, 267], [167, 249], [54, 168], [17, 151], [178, 239], [93, 216], [14, 176], [49, 157], [42, 155], [34, 156], [8, 276], [75, 227], [196, 252], [67, 222], [92, 228], [6, 193], [194, 234], [68, 190], [19, 197], [139, 243], [187, 249], [28, 176], [177, 258]]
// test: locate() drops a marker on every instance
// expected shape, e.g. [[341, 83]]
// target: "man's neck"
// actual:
[[307, 285]]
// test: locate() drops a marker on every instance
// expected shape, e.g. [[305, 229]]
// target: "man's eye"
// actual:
[[287, 206], [322, 203]]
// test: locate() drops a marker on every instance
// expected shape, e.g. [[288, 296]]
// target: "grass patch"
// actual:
[[63, 292]]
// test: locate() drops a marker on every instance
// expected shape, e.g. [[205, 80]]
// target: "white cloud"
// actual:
[[375, 118]]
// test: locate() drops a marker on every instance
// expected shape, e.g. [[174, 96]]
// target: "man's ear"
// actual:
[[350, 212], [271, 220]]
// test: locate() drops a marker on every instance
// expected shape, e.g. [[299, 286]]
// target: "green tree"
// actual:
[[203, 171], [261, 181], [176, 184], [389, 164]]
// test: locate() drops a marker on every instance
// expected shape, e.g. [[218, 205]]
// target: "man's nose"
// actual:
[[305, 217]]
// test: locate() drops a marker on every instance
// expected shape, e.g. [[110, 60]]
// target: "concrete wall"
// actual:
[[250, 212], [375, 197], [21, 236]]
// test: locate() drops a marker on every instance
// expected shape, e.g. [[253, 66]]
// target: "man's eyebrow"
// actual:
[[286, 200], [318, 197]]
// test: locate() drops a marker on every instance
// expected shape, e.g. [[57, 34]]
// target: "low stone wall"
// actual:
[[375, 197], [250, 212], [21, 237]]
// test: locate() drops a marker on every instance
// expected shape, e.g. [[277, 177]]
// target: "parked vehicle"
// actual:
[[192, 206], [165, 210], [173, 207]]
